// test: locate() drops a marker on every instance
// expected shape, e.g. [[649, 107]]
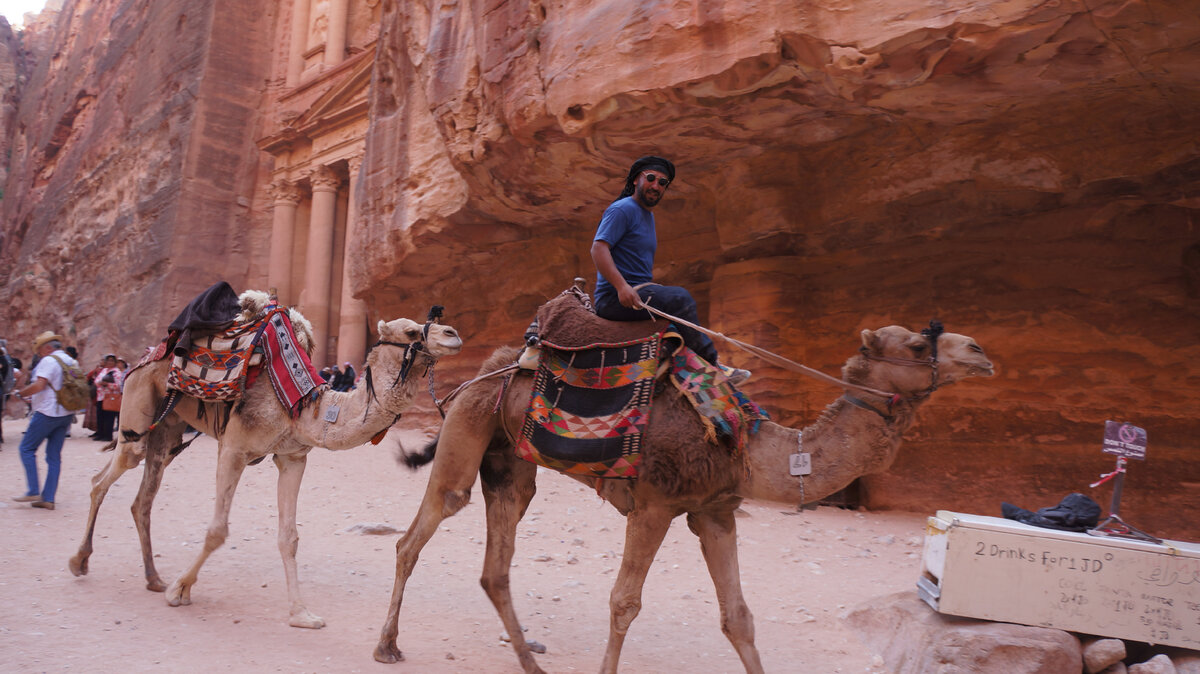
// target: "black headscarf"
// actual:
[[645, 164]]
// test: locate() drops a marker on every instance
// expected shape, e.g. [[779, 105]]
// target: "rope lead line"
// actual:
[[762, 353]]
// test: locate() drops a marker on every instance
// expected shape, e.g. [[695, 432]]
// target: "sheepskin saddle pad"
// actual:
[[566, 323]]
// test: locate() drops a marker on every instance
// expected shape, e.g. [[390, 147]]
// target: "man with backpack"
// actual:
[[55, 387]]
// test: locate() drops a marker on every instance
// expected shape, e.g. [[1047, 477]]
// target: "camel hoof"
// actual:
[[388, 653], [307, 621], [78, 565], [178, 595], [155, 584]]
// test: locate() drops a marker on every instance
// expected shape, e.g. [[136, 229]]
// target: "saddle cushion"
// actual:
[[565, 323]]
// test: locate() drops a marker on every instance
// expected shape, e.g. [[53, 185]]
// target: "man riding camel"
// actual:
[[623, 251]]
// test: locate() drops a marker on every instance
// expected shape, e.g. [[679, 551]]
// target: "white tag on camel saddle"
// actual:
[[331, 413], [800, 463]]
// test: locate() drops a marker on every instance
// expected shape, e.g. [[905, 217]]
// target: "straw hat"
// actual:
[[46, 336]]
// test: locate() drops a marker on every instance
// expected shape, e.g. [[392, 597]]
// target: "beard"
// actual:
[[647, 197]]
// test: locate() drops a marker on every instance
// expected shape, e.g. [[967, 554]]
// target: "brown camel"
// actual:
[[260, 426], [857, 434]]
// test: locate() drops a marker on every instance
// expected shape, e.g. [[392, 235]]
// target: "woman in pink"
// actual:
[[108, 384]]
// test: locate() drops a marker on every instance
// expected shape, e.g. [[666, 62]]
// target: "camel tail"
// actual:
[[109, 447], [418, 459]]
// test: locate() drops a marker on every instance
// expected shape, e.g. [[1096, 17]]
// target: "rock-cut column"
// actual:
[[335, 37], [319, 262], [299, 41], [352, 324], [286, 197]]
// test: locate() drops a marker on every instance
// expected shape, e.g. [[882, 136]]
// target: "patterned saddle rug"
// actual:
[[589, 408], [221, 366], [215, 367], [592, 396]]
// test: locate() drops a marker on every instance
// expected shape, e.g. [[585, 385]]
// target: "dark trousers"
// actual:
[[104, 423], [669, 299]]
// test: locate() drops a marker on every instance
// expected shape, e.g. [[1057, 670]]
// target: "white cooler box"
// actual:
[[997, 569]]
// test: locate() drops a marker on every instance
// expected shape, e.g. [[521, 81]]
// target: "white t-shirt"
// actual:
[[45, 401]]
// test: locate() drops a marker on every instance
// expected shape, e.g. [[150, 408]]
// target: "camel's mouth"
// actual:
[[981, 370], [450, 347]]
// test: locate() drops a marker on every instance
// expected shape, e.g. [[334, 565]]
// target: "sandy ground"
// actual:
[[800, 572]]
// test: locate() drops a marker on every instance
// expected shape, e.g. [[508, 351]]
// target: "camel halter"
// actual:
[[411, 350], [931, 333]]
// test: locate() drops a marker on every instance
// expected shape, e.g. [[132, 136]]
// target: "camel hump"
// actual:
[[566, 323]]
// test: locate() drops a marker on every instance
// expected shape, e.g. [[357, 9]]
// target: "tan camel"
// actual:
[[857, 434], [258, 427]]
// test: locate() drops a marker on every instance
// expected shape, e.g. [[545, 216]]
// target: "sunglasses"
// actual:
[[662, 180]]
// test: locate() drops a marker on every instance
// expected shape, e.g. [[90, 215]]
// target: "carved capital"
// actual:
[[354, 164], [324, 178], [284, 192]]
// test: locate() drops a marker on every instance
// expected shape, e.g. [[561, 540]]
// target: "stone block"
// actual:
[[1159, 664], [913, 639], [1101, 654]]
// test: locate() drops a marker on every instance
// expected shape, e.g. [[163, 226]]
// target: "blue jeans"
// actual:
[[54, 431], [669, 299]]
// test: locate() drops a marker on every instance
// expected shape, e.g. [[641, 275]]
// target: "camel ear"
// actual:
[[869, 341], [381, 328]]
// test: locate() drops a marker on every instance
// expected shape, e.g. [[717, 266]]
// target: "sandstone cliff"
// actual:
[[132, 168]]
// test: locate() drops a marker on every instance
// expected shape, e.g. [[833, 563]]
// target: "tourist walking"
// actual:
[[50, 421]]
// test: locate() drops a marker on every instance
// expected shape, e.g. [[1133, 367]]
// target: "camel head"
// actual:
[[899, 360], [440, 340]]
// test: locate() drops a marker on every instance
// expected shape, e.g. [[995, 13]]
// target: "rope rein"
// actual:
[[776, 359]]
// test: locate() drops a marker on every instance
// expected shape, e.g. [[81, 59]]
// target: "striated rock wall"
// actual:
[[1027, 172], [133, 167], [12, 79]]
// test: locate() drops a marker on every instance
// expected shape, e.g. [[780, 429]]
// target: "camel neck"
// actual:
[[846, 442]]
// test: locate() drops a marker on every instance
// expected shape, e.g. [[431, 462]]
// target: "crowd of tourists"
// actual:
[[343, 378]]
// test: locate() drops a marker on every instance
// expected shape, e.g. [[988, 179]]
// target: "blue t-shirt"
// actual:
[[628, 228]]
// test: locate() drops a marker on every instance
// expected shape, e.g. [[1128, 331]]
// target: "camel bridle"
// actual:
[[932, 333], [411, 351]]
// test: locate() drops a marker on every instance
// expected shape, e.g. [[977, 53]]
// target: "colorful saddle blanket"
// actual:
[[221, 366], [589, 408], [591, 401], [214, 367], [725, 411]]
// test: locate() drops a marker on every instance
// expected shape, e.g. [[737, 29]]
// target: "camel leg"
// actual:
[[101, 481], [644, 532], [459, 452], [508, 487], [291, 471], [718, 541], [152, 473], [229, 470]]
